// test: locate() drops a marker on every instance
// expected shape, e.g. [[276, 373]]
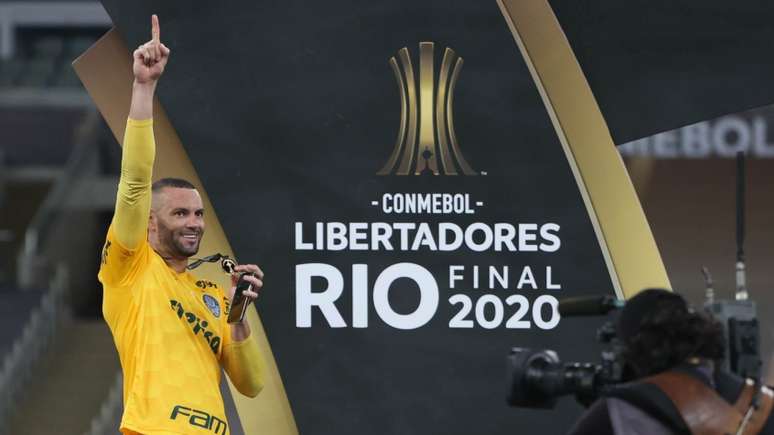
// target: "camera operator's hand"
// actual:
[[240, 331], [151, 57]]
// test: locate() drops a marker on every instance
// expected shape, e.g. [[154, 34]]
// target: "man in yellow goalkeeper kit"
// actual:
[[170, 329]]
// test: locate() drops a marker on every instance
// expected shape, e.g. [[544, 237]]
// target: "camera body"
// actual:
[[741, 333], [537, 378]]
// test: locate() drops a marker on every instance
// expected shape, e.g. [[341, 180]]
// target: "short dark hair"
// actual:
[[660, 331], [171, 182]]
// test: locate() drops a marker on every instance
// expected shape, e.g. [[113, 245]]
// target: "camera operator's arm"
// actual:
[[241, 358], [595, 421], [130, 222]]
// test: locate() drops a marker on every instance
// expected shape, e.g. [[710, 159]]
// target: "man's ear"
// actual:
[[152, 225]]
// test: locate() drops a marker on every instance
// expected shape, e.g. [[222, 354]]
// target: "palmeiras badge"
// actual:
[[212, 304]]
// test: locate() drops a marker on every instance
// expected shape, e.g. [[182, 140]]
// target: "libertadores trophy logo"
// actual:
[[426, 132]]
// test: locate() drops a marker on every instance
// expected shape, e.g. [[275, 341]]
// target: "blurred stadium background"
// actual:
[[59, 371], [59, 164]]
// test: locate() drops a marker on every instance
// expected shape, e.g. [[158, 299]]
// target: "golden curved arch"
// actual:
[[403, 119], [411, 137], [466, 169], [440, 113]]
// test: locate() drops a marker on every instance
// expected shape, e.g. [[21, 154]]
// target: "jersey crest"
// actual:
[[212, 305]]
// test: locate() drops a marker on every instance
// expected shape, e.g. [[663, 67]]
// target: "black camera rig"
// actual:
[[537, 378], [738, 316]]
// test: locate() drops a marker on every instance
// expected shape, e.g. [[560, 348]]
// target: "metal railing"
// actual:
[[81, 163], [109, 417], [33, 263], [16, 366]]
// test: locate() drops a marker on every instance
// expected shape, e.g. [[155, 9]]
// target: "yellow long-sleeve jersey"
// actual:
[[170, 328]]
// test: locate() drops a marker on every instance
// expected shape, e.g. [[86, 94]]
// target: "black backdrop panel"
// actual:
[[287, 110], [655, 65]]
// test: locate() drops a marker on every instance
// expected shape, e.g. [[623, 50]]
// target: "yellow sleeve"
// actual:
[[244, 364], [127, 236], [133, 201]]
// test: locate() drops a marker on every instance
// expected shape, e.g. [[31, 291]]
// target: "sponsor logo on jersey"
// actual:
[[212, 305], [199, 326], [205, 284], [200, 419]]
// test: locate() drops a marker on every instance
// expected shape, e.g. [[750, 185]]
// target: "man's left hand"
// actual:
[[240, 331], [256, 281]]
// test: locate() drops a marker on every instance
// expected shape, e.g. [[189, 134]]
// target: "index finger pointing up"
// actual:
[[155, 30]]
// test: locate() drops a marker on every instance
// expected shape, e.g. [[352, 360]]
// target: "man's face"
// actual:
[[177, 222]]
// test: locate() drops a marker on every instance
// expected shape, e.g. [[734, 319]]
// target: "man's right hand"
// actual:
[[151, 57]]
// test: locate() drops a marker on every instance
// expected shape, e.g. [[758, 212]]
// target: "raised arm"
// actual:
[[149, 62], [133, 202]]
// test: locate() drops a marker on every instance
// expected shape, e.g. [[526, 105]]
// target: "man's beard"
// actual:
[[172, 241]]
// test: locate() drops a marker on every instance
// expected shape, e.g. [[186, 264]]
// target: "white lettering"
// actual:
[[306, 298], [428, 296]]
